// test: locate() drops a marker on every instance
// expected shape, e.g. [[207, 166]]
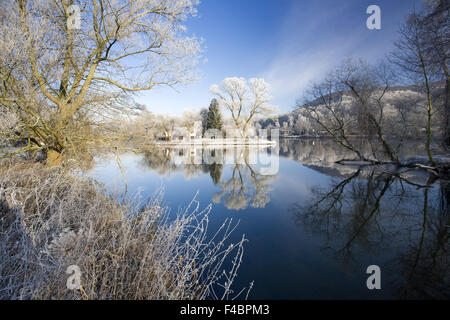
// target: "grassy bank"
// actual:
[[51, 219]]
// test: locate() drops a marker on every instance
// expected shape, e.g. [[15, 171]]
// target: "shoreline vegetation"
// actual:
[[51, 219]]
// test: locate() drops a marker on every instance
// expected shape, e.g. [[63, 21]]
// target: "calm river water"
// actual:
[[313, 226]]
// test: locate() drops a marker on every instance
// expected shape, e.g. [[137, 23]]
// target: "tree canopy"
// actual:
[[61, 82]]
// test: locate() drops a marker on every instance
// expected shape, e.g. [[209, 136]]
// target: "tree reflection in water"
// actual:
[[399, 221], [371, 214], [244, 185]]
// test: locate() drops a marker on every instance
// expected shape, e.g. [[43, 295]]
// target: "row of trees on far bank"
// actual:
[[243, 101], [148, 127]]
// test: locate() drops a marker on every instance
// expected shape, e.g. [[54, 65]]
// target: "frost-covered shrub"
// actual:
[[50, 220]]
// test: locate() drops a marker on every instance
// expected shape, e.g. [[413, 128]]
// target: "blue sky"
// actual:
[[286, 42]]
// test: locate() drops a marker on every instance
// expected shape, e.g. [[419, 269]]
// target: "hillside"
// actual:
[[401, 103]]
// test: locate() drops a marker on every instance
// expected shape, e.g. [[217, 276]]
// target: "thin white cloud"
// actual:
[[289, 74], [309, 48]]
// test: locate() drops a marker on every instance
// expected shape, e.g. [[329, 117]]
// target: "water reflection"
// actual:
[[325, 150], [245, 186], [371, 213], [315, 224], [242, 185], [215, 171]]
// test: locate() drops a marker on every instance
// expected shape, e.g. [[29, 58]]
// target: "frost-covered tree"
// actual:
[[166, 126], [189, 120], [61, 81], [245, 100]]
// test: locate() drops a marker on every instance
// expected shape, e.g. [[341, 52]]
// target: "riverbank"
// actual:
[[218, 142], [53, 222]]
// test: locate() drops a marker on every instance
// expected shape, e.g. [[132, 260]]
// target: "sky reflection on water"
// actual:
[[315, 226]]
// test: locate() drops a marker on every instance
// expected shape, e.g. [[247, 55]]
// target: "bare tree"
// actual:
[[245, 101], [435, 27], [139, 132], [166, 125], [61, 82], [410, 56], [368, 87], [351, 101], [189, 120], [329, 112]]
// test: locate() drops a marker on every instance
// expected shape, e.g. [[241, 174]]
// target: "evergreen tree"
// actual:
[[214, 117]]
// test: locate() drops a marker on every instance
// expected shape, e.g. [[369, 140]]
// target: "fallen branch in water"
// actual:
[[432, 170], [363, 162], [440, 170]]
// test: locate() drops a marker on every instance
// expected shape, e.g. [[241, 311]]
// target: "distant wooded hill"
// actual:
[[405, 103]]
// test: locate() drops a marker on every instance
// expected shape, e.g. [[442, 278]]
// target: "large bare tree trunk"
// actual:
[[446, 107], [429, 110]]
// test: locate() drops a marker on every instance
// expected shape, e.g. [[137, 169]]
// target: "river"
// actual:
[[314, 227]]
